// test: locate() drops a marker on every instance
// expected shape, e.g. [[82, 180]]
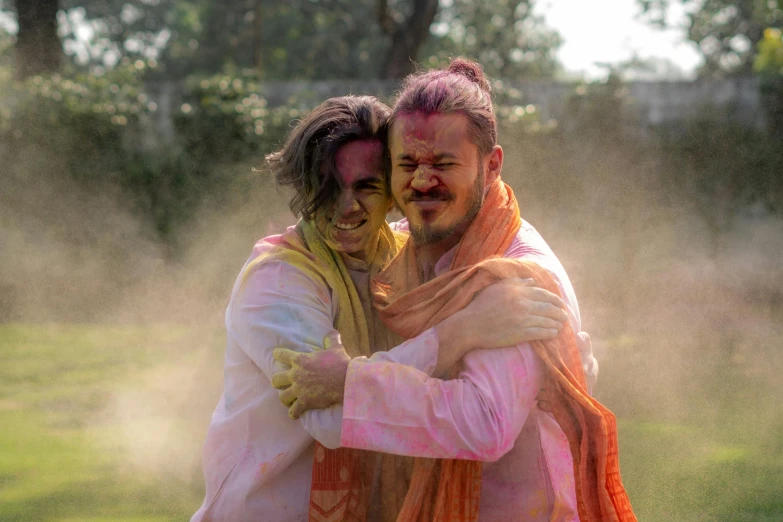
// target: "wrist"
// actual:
[[463, 337], [454, 341]]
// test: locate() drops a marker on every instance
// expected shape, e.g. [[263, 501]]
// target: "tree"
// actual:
[[505, 36], [726, 32], [305, 39], [160, 30], [406, 35], [38, 48], [299, 39]]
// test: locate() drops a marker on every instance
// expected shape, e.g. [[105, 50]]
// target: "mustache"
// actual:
[[436, 194]]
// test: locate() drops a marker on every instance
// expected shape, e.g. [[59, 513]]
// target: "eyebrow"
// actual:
[[370, 179], [438, 157]]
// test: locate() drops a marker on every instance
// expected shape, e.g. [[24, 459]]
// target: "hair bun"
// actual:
[[472, 70]]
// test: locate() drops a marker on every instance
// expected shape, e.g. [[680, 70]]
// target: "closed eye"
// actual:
[[369, 185]]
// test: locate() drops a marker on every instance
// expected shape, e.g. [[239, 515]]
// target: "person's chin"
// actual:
[[350, 245], [429, 215]]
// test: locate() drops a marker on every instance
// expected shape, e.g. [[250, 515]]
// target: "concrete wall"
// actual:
[[661, 103], [650, 103]]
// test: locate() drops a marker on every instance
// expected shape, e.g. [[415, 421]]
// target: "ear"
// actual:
[[494, 164]]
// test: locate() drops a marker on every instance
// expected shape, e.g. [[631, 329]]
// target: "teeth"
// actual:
[[353, 226]]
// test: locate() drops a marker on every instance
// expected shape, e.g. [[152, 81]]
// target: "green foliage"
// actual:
[[769, 60], [108, 130], [113, 99], [83, 127], [306, 40], [227, 117], [511, 110], [104, 131], [506, 37], [284, 40], [725, 31], [769, 65], [79, 121]]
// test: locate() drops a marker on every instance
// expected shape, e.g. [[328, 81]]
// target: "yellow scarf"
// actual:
[[342, 478]]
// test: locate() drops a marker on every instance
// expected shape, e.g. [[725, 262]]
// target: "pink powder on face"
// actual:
[[357, 160], [426, 136], [361, 206]]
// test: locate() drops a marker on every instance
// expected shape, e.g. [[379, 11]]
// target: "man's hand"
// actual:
[[507, 313], [316, 380]]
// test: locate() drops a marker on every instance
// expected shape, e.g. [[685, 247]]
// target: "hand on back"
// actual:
[[514, 311], [507, 313]]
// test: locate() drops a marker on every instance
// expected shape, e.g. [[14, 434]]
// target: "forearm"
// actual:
[[433, 352], [421, 352], [452, 345], [396, 409]]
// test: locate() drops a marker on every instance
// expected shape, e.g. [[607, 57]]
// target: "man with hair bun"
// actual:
[[503, 435], [311, 283]]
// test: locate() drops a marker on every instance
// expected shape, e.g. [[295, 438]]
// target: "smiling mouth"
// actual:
[[349, 226]]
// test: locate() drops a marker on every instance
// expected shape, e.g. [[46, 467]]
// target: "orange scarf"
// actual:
[[449, 490]]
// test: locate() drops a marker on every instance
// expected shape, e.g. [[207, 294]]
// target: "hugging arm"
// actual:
[[397, 409], [279, 306], [504, 314]]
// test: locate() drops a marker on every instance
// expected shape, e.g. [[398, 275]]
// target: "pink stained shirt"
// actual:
[[488, 413], [257, 462]]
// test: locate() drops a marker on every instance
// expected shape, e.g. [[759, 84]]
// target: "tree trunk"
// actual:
[[406, 37], [38, 48], [258, 46]]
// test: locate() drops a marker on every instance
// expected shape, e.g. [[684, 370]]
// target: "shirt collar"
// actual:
[[444, 263]]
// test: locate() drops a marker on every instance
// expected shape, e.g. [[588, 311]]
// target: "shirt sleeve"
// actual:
[[530, 246], [419, 353], [396, 409], [400, 226], [279, 306]]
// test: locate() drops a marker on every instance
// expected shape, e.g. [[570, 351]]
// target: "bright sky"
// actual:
[[611, 31]]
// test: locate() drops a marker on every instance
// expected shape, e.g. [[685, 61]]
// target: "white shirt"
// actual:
[[257, 462]]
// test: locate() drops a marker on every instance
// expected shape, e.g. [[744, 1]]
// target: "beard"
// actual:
[[426, 234]]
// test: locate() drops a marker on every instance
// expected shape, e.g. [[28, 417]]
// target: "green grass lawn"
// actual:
[[105, 424], [63, 454], [679, 472]]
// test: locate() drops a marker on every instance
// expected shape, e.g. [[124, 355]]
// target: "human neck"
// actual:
[[366, 255], [428, 255]]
